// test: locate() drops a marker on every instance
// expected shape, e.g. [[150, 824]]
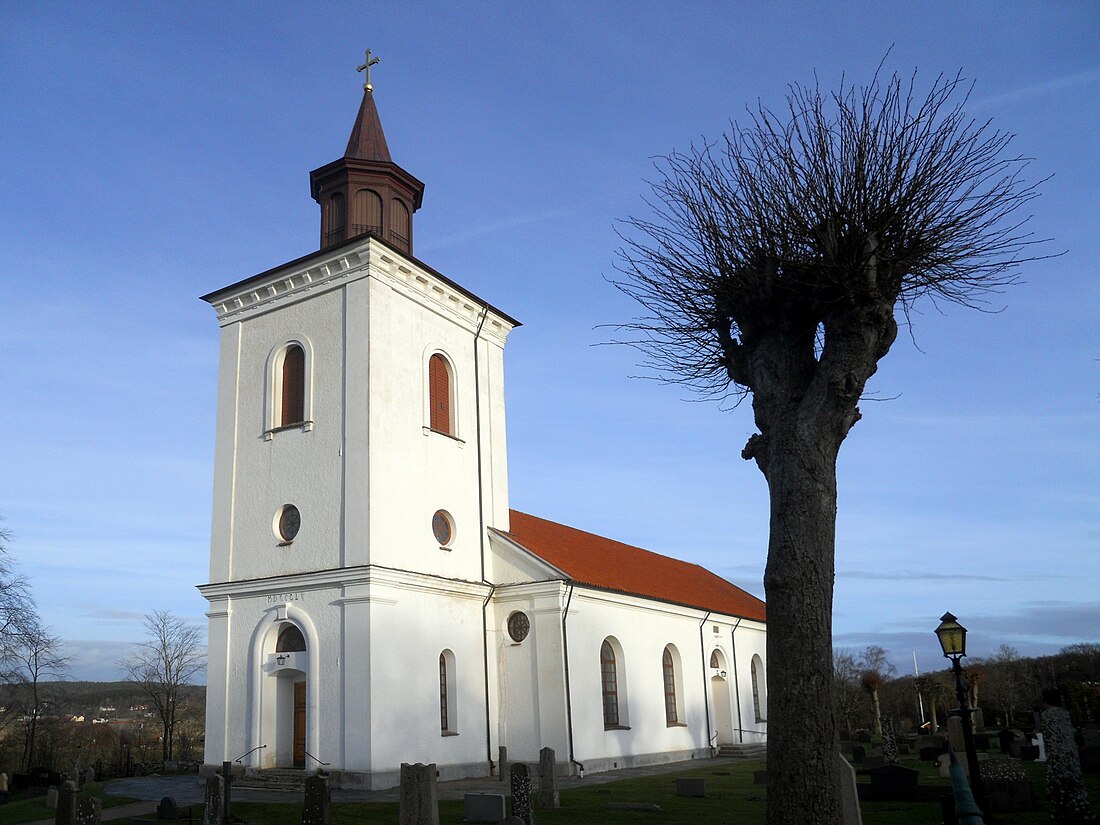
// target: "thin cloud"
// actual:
[[1057, 84], [892, 576]]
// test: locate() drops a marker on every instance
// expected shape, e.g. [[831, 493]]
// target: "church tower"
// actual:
[[360, 461], [365, 192]]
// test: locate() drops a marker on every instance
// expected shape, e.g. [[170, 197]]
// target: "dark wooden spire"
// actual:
[[365, 192]]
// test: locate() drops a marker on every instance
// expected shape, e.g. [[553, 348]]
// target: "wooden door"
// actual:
[[299, 724]]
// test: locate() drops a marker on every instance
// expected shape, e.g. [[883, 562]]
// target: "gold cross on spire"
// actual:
[[366, 68]]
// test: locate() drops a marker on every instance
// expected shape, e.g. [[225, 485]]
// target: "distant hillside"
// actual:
[[90, 699]]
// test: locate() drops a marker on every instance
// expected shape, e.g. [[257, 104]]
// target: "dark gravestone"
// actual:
[[87, 810], [483, 807], [66, 804], [929, 754], [548, 782], [316, 808], [168, 809], [1029, 753], [418, 802], [1090, 759], [893, 783], [212, 800], [502, 761], [521, 794], [859, 753], [876, 761], [1006, 738], [691, 786]]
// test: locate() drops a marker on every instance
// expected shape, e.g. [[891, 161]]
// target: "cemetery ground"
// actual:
[[732, 797]]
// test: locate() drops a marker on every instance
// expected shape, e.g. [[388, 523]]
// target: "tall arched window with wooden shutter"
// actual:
[[440, 416], [609, 681], [366, 213], [401, 231], [668, 670], [293, 387], [336, 218]]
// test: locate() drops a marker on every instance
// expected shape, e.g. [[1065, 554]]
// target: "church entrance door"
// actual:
[[720, 708], [299, 724]]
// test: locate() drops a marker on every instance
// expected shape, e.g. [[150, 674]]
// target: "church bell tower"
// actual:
[[365, 192]]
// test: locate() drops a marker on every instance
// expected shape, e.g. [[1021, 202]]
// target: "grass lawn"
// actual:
[[732, 799], [32, 809]]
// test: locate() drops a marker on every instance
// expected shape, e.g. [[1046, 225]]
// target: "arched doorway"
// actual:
[[286, 723], [721, 706]]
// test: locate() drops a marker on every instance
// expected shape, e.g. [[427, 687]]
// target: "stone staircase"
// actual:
[[745, 750], [274, 779]]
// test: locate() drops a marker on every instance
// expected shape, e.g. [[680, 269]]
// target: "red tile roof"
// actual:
[[611, 565]]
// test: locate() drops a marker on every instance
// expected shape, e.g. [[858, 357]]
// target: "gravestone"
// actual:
[[502, 760], [51, 797], [889, 741], [212, 800], [419, 804], [894, 783], [87, 810], [1090, 758], [978, 719], [521, 794], [930, 754], [89, 776], [691, 786], [483, 807], [859, 753], [1040, 743], [943, 763], [847, 793], [955, 734], [1066, 792], [548, 781], [66, 804], [168, 809], [316, 808], [1006, 738]]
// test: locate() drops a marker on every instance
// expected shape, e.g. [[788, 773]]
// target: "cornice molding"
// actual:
[[370, 257]]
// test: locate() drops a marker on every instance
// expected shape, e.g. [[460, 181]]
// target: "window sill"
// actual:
[[304, 426], [616, 727], [430, 431], [675, 724], [449, 733]]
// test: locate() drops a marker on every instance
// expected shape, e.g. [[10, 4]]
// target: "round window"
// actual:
[[518, 626], [290, 520], [443, 527]]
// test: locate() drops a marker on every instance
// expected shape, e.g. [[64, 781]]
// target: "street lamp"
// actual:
[[952, 636]]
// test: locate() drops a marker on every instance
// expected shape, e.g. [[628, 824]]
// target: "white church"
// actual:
[[373, 599]]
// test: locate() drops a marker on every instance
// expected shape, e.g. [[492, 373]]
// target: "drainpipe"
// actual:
[[481, 537], [568, 697], [736, 681], [706, 681]]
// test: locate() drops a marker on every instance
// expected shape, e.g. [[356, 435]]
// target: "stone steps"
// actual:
[[746, 750], [274, 779]]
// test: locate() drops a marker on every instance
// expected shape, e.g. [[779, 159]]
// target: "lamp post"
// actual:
[[952, 636]]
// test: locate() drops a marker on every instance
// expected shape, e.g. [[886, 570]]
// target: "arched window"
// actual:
[[668, 670], [759, 705], [447, 711], [609, 678], [336, 218], [714, 663], [440, 417], [290, 640], [292, 387], [399, 234], [366, 212]]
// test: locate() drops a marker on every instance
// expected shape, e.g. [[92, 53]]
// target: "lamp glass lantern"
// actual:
[[952, 636]]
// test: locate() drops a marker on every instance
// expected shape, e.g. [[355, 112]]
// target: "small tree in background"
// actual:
[[774, 266], [170, 658]]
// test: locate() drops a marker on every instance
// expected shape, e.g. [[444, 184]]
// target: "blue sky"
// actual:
[[153, 153]]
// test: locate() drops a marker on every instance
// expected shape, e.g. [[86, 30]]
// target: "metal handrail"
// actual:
[[243, 755], [315, 759]]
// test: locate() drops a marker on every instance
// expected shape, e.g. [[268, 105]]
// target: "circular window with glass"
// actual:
[[287, 523], [518, 626], [443, 528]]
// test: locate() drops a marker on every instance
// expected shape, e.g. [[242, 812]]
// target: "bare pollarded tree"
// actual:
[[774, 265]]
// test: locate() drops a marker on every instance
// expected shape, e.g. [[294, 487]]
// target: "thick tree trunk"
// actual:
[[799, 589]]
